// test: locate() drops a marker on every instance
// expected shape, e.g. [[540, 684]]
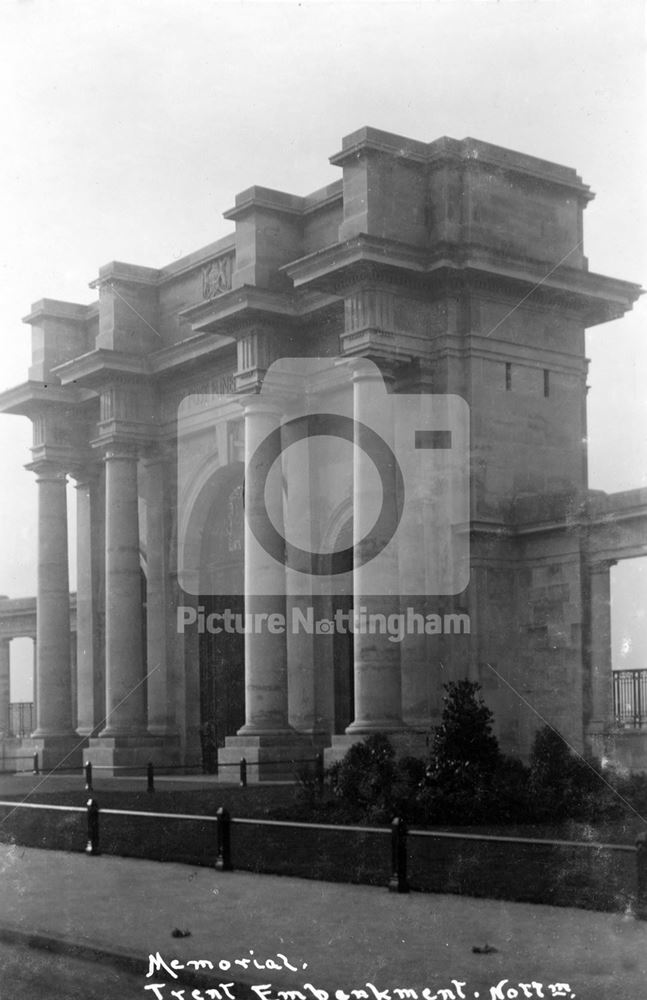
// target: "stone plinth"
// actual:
[[111, 754], [269, 758], [53, 751]]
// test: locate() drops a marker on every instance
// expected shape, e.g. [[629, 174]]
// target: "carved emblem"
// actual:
[[216, 277]]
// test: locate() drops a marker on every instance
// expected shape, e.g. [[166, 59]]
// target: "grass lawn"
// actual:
[[590, 877], [284, 802]]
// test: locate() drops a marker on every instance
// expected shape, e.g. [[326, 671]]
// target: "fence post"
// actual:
[[319, 770], [92, 846], [150, 777], [398, 881], [223, 831], [88, 776], [36, 769], [641, 871], [243, 773]]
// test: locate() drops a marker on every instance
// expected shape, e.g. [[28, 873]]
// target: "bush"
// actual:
[[370, 780], [509, 799], [464, 743], [564, 785], [365, 776], [466, 771]]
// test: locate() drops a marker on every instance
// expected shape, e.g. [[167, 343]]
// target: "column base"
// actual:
[[364, 727], [116, 755], [16, 751], [406, 743], [270, 756], [65, 751]]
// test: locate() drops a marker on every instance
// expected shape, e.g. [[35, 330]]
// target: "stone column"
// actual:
[[53, 670], [89, 620], [34, 697], [309, 656], [266, 694], [125, 715], [600, 646], [376, 660], [5, 675], [159, 602]]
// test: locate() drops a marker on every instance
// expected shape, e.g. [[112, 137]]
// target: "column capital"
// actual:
[[85, 473], [257, 403], [48, 470], [382, 370], [118, 449]]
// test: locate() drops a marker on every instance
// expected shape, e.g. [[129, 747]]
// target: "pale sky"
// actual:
[[130, 125]]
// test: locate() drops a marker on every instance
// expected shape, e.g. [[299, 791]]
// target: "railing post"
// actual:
[[223, 831], [150, 777], [92, 846], [641, 872], [398, 881], [88, 776], [319, 770], [36, 769], [243, 773]]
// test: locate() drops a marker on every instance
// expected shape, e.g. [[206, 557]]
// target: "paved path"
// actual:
[[347, 935], [31, 974]]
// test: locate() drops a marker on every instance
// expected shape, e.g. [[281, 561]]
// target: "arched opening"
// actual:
[[221, 649], [629, 642], [22, 717]]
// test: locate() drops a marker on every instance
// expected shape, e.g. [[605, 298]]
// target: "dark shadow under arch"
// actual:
[[221, 654]]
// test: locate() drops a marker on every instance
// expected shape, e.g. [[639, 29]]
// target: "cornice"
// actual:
[[129, 274], [239, 304], [69, 312], [468, 152], [230, 312], [365, 258], [29, 396], [94, 368], [191, 351]]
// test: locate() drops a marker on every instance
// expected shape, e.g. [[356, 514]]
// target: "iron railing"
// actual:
[[393, 872], [21, 718], [630, 698]]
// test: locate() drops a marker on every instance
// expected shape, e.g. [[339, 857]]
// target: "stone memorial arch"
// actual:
[[454, 268]]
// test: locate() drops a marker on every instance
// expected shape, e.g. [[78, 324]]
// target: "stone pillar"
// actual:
[[124, 668], [5, 675], [601, 703], [89, 617], [53, 671], [377, 660], [34, 697], [309, 656], [159, 603], [266, 740], [266, 689]]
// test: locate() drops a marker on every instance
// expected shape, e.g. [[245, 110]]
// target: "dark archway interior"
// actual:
[[343, 660], [221, 655]]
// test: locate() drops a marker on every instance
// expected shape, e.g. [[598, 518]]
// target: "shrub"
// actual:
[[509, 799], [565, 785], [460, 780], [464, 742], [366, 775]]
